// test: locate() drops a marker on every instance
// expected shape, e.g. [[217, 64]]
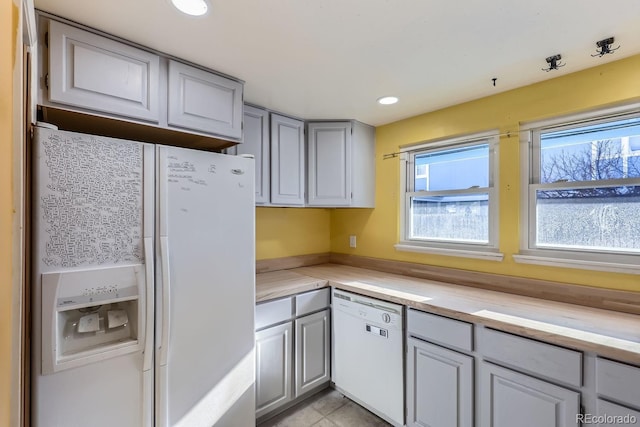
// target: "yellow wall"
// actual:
[[284, 232], [377, 230], [9, 14]]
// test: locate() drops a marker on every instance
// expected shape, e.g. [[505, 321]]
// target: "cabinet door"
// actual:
[[204, 101], [611, 414], [312, 351], [273, 368], [255, 141], [618, 382], [363, 165], [287, 161], [100, 74], [329, 177], [510, 399], [439, 386]]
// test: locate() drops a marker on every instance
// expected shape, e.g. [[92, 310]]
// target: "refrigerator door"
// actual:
[[205, 289], [92, 293]]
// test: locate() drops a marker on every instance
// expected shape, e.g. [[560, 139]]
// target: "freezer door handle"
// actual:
[[166, 292], [148, 298]]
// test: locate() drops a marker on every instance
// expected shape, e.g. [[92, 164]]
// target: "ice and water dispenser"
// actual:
[[91, 315]]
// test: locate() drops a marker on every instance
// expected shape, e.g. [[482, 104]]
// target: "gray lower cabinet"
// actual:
[[273, 367], [618, 390], [287, 161], [440, 379], [542, 360], [292, 349], [618, 382], [508, 398], [439, 386], [96, 73], [312, 351], [610, 414], [204, 101]]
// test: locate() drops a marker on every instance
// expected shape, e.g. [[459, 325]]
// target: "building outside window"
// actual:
[[449, 201]]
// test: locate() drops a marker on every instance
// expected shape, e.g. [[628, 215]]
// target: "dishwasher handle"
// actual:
[[368, 304], [376, 306], [381, 332]]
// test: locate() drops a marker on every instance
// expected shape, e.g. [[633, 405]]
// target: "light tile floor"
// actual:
[[328, 408]]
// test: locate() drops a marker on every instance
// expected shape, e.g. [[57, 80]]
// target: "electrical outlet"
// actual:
[[352, 241]]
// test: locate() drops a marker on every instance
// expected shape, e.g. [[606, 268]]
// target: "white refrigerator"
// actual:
[[143, 285]]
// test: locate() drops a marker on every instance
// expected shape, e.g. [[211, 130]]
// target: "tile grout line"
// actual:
[[315, 403]]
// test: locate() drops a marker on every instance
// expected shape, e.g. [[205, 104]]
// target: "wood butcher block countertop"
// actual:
[[607, 333], [282, 283]]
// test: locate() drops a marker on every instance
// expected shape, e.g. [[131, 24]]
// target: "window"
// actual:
[[583, 191], [449, 204]]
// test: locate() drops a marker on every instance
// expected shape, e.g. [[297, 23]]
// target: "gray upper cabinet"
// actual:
[[161, 99], [287, 161], [329, 177], [204, 101], [255, 141], [93, 72], [363, 166], [341, 169]]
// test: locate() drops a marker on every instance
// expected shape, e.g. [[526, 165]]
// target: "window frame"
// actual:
[[487, 251], [588, 258]]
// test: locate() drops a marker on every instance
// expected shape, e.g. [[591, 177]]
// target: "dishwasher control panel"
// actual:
[[376, 313]]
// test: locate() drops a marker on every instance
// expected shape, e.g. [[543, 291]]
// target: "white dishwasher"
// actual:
[[368, 353]]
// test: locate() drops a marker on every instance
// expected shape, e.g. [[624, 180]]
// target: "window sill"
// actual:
[[485, 255], [612, 267]]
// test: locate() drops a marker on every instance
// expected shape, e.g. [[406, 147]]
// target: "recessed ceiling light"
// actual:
[[387, 100], [191, 7]]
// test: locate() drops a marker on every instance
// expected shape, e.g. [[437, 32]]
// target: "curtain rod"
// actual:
[[508, 134]]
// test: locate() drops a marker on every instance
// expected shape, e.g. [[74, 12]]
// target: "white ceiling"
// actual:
[[333, 58]]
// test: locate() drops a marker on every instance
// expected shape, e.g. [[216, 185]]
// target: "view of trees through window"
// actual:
[[590, 161], [588, 195]]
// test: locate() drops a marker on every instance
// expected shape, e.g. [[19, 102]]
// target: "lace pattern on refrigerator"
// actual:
[[92, 206]]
